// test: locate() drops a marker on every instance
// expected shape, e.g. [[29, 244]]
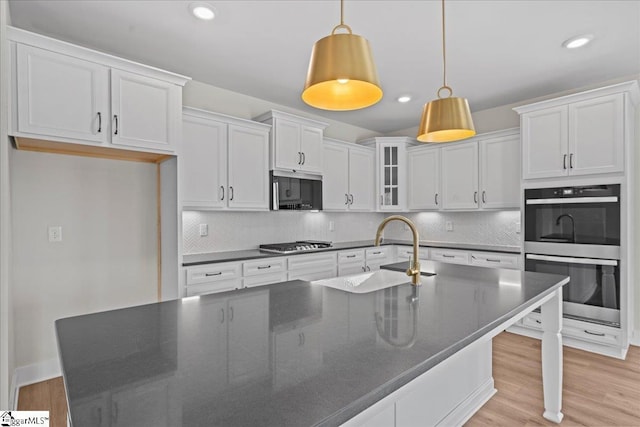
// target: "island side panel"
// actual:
[[552, 357]]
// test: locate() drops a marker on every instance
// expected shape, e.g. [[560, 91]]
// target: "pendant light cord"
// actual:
[[341, 12], [444, 52]]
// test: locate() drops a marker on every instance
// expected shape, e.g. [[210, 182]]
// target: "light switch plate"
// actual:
[[449, 226], [55, 233]]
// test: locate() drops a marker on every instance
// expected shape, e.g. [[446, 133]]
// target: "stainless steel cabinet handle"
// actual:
[[492, 260], [346, 199], [115, 118], [448, 256], [436, 199], [230, 314], [484, 196], [99, 122], [350, 199], [475, 197], [222, 315], [368, 268], [376, 253], [564, 161], [230, 193], [364, 268], [601, 334], [571, 161], [351, 256], [222, 188], [263, 267], [299, 157], [304, 158], [213, 274]]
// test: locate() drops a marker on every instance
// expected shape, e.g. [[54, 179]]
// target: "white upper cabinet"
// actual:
[[145, 111], [66, 93], [224, 162], [348, 179], [391, 172], [500, 172], [424, 178], [296, 142], [580, 134], [61, 96], [460, 176]]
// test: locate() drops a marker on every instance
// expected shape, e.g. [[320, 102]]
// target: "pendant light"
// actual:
[[342, 75], [445, 119]]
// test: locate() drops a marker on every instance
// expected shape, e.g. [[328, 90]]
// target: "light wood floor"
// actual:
[[598, 390]]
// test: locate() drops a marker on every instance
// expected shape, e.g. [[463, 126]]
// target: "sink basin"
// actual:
[[366, 282]]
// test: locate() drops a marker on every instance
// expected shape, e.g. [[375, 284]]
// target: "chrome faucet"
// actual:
[[573, 225], [414, 266]]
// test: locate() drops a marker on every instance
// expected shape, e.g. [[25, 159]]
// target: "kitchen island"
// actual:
[[298, 353]]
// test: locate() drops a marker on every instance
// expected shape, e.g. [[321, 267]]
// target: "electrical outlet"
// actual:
[[55, 233], [449, 226], [332, 226], [204, 230], [516, 225]]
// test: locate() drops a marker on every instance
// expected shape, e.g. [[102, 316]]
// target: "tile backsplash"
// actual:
[[229, 231]]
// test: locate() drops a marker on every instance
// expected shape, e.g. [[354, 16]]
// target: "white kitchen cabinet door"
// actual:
[[145, 112], [150, 404], [311, 149], [248, 337], [545, 143], [287, 154], [460, 176], [596, 135], [297, 355], [391, 159], [62, 96], [361, 180], [203, 163], [248, 168], [335, 181], [424, 179], [500, 172]]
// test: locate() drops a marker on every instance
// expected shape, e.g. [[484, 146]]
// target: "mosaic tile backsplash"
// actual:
[[230, 231]]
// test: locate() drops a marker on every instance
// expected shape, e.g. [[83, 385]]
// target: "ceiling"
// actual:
[[498, 52]]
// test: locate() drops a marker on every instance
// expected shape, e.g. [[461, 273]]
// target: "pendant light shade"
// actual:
[[342, 74], [445, 119]]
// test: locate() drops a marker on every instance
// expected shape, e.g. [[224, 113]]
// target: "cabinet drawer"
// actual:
[[264, 266], [300, 262], [488, 259], [406, 252], [590, 332], [265, 279], [450, 256], [377, 253], [350, 257], [213, 273], [213, 287], [347, 269]]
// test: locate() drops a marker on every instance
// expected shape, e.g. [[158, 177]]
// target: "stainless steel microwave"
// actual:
[[296, 191]]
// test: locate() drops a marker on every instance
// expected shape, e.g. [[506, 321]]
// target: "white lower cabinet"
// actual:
[[264, 271], [377, 256], [210, 278], [405, 253], [451, 256], [312, 266], [351, 262]]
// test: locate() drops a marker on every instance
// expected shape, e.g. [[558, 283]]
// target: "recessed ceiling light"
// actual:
[[578, 41], [404, 98], [203, 11]]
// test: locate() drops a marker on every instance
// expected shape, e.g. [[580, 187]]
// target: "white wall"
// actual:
[[108, 256], [6, 312], [487, 228], [230, 231], [212, 98]]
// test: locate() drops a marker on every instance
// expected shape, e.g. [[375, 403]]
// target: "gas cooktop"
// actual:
[[294, 247]]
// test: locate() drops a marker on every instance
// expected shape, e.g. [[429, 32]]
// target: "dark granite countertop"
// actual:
[[229, 256], [289, 354]]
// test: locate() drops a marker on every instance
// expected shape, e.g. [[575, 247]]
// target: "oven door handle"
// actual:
[[571, 260], [572, 200]]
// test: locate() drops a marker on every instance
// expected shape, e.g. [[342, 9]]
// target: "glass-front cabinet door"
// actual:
[[390, 176]]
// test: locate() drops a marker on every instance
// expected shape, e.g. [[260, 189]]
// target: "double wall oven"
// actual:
[[575, 231]]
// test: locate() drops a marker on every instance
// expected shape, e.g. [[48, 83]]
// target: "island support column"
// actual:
[[552, 357]]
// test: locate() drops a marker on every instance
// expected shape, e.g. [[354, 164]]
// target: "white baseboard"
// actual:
[[463, 412], [25, 375], [635, 338]]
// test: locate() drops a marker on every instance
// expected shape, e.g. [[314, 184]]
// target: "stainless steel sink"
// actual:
[[366, 282]]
